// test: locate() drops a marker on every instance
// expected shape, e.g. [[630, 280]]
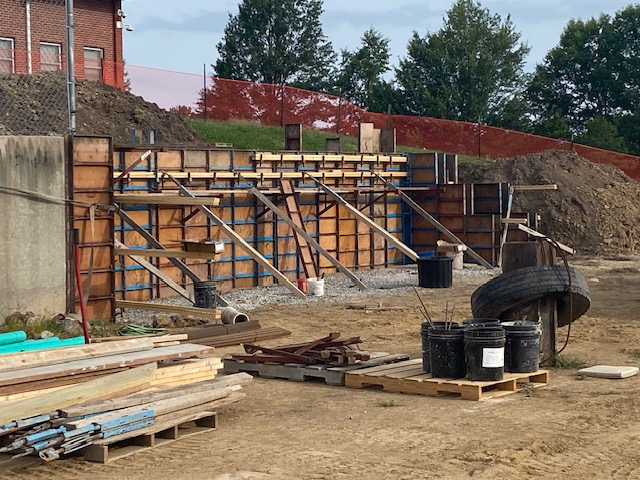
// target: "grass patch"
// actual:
[[33, 325], [388, 403], [566, 362], [470, 159], [247, 135]]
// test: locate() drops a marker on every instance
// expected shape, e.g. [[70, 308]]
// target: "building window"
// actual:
[[50, 57], [6, 55], [93, 64]]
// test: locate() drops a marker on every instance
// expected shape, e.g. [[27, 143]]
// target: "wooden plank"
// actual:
[[158, 273], [184, 350], [162, 199], [239, 241], [104, 387], [533, 188], [304, 249], [155, 339], [156, 252], [330, 157], [363, 218], [17, 361], [155, 394], [266, 333], [285, 218], [441, 228], [213, 314], [533, 233], [218, 175]]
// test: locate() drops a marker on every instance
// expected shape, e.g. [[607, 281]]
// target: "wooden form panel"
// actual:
[[335, 229], [91, 174]]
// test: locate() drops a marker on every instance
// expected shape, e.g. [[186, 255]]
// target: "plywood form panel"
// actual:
[[171, 160], [218, 159], [242, 158], [245, 282], [196, 160], [328, 242], [347, 243]]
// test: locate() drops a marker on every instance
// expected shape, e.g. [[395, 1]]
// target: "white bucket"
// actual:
[[316, 286], [458, 260]]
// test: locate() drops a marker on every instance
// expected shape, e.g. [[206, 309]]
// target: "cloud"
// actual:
[[200, 21]]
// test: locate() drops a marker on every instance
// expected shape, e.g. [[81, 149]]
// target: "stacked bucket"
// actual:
[[481, 349]]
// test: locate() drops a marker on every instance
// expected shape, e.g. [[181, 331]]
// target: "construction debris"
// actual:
[[328, 351]]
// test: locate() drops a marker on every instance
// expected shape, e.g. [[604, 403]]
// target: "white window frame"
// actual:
[[51, 64], [12, 59], [101, 52]]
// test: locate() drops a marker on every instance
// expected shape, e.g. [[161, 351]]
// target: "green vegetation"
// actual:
[[566, 362], [33, 325], [254, 136], [587, 88], [388, 403]]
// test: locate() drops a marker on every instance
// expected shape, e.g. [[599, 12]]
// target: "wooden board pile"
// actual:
[[329, 350], [234, 334], [54, 402]]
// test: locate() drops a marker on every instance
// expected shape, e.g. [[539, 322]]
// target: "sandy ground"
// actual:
[[572, 429]]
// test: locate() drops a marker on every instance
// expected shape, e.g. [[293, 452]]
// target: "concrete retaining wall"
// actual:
[[32, 231]]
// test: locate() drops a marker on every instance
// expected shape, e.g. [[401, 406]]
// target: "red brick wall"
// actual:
[[95, 22], [12, 26]]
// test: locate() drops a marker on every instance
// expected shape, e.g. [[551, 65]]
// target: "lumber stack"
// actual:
[[54, 402], [234, 334], [71, 428]]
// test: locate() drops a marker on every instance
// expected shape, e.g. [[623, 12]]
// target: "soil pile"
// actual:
[[37, 104], [596, 208]]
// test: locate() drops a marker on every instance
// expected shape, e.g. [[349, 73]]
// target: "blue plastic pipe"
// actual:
[[12, 337]]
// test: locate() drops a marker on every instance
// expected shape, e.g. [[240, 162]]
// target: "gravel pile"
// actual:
[[338, 288]]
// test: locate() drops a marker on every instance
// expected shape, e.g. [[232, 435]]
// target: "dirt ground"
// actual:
[[572, 429]]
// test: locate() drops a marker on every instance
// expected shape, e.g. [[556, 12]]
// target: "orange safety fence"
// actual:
[[279, 105]]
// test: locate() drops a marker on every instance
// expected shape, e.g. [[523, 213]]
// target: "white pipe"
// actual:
[[27, 9], [230, 315]]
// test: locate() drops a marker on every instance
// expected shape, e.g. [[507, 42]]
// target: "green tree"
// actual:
[[277, 42], [469, 70], [603, 134], [360, 76], [555, 127], [594, 71]]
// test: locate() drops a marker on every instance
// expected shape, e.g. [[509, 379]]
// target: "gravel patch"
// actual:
[[338, 288]]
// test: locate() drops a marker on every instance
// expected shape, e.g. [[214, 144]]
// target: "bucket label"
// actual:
[[493, 357]]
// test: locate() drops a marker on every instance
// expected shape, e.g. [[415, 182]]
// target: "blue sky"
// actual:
[[182, 36]]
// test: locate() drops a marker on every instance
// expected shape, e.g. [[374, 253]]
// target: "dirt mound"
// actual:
[[37, 104], [596, 208]]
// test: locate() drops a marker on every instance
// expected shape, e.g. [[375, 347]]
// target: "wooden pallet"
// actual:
[[109, 450], [300, 373], [408, 377]]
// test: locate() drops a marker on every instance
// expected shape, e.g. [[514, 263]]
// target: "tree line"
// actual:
[[586, 89]]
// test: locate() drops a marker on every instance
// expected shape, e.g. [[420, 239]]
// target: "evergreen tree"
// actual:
[[277, 42], [360, 77], [469, 70]]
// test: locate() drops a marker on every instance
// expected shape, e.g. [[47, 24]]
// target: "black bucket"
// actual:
[[435, 272], [484, 352], [522, 349], [446, 352], [480, 321], [204, 294], [426, 351]]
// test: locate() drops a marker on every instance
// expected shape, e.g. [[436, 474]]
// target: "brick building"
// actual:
[[33, 38]]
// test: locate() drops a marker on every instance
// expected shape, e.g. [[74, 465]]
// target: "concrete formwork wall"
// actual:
[[351, 242], [32, 236]]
